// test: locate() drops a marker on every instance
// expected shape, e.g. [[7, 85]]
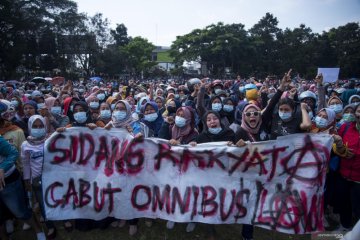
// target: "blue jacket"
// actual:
[[8, 155]]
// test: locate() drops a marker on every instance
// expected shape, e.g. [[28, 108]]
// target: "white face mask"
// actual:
[[38, 132]]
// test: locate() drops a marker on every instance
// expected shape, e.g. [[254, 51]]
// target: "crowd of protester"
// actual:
[[183, 112]]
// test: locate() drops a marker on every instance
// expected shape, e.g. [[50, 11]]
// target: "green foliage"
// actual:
[[267, 50], [138, 55], [47, 35]]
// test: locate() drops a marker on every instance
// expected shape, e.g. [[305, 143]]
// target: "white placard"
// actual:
[[329, 74]]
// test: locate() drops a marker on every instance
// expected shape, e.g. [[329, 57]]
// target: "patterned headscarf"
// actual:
[[127, 120]]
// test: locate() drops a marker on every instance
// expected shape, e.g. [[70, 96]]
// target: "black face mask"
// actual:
[[171, 109]]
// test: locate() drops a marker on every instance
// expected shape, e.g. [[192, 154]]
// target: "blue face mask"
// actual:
[[215, 130], [285, 115], [105, 114], [217, 91], [113, 106], [40, 105], [216, 107], [311, 115], [321, 122], [151, 117], [56, 110], [242, 89], [180, 121], [119, 115], [337, 108], [228, 108], [38, 132], [80, 117], [101, 96], [14, 103], [94, 105]]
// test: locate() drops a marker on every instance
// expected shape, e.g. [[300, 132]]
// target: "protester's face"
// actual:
[[323, 114], [349, 110], [159, 103], [216, 100], [357, 114], [333, 94], [334, 102], [310, 102], [37, 124], [149, 109], [212, 121], [285, 108], [29, 110], [104, 106], [171, 104], [252, 117], [95, 115], [78, 108], [355, 100], [229, 102], [120, 107], [180, 113]]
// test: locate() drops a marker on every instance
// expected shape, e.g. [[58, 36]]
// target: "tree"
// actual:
[[263, 36], [346, 42], [120, 35], [138, 55], [219, 45]]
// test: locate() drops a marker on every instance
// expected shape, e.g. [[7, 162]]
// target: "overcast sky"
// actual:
[[160, 21]]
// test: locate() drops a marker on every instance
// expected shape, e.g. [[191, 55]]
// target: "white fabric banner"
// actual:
[[277, 185]]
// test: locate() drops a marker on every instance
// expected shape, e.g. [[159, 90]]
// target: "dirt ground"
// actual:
[[158, 231]]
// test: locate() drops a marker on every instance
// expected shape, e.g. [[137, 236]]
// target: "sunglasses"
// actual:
[[248, 114]]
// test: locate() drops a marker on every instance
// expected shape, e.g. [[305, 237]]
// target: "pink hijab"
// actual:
[[245, 125], [178, 133]]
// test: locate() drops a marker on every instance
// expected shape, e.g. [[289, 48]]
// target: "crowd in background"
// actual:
[[183, 112]]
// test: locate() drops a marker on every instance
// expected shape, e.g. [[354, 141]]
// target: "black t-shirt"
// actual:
[[281, 128]]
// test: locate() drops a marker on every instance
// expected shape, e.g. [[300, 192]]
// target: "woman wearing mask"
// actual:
[[336, 104], [183, 131], [250, 130], [348, 185], [105, 115], [152, 118], [122, 118], [19, 115], [32, 156], [288, 118], [213, 131], [57, 118], [215, 104], [324, 122], [171, 106], [354, 100], [229, 109], [348, 114], [69, 107], [81, 119]]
